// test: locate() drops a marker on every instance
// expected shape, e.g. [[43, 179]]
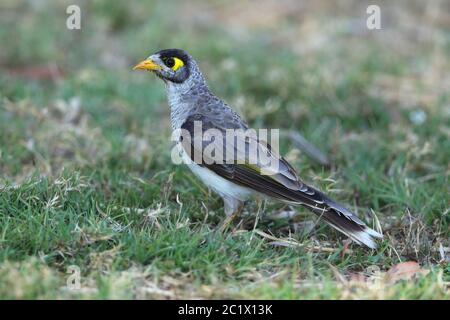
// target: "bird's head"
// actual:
[[173, 65]]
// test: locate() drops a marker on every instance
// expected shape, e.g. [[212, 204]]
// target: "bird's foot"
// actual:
[[231, 216], [228, 221]]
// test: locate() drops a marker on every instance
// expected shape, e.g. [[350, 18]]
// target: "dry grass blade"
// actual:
[[292, 243]]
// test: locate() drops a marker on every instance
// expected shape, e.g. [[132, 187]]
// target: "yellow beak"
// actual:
[[147, 65]]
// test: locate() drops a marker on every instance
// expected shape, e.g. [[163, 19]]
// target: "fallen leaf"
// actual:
[[405, 271]]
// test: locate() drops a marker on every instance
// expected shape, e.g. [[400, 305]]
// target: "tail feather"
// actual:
[[361, 234], [345, 221]]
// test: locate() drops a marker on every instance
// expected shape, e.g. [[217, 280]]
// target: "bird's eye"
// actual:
[[173, 63], [170, 62]]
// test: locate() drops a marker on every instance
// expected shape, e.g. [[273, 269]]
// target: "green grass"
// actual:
[[86, 178]]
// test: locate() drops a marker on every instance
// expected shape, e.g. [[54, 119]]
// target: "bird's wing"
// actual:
[[242, 149], [272, 176]]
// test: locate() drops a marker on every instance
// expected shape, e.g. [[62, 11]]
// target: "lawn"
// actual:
[[87, 182]]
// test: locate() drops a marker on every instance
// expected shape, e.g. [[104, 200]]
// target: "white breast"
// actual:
[[218, 184]]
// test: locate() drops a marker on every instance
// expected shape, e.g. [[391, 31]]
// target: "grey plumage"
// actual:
[[191, 100]]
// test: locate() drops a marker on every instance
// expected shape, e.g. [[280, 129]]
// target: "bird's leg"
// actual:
[[232, 208]]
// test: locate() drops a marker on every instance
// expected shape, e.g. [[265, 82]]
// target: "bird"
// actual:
[[191, 103]]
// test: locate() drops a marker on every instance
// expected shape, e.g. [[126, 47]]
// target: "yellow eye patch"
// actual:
[[177, 64]]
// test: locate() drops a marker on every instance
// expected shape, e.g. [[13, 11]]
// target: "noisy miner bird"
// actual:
[[191, 102]]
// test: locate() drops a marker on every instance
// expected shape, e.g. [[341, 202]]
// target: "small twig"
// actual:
[[304, 145]]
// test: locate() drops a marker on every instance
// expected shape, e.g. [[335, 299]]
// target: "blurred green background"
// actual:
[[85, 171]]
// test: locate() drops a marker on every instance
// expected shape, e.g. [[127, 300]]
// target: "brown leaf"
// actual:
[[357, 277], [405, 271]]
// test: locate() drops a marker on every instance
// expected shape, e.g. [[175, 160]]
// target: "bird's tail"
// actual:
[[343, 220]]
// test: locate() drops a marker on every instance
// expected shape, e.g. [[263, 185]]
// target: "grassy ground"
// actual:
[[86, 178]]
